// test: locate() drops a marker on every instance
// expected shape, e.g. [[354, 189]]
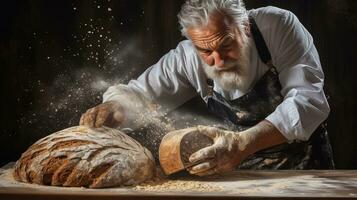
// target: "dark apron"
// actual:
[[253, 107]]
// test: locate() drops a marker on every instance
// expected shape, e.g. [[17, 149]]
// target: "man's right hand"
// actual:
[[109, 114]]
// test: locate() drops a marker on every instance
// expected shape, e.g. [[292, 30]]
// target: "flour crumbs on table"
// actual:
[[177, 186]]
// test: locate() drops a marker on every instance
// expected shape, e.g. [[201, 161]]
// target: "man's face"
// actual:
[[224, 50]]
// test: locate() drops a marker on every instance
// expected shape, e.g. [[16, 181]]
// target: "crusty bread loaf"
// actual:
[[81, 156]]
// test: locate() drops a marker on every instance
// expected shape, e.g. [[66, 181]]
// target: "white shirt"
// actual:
[[179, 76]]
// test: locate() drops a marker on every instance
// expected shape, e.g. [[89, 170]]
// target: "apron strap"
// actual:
[[260, 44]]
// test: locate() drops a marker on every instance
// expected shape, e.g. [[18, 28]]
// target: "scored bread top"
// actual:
[[88, 157]]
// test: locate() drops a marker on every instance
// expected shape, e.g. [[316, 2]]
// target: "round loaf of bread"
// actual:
[[85, 157]]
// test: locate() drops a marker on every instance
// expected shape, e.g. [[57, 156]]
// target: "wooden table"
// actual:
[[314, 184]]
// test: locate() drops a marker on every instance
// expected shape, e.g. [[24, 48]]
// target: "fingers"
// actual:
[[101, 117], [109, 114], [202, 167], [208, 172], [203, 154], [212, 168], [208, 168], [89, 118]]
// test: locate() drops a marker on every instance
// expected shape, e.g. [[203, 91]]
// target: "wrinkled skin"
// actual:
[[217, 42], [110, 114], [225, 50], [227, 151], [230, 148]]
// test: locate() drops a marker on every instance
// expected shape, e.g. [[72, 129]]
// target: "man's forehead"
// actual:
[[218, 28], [216, 22]]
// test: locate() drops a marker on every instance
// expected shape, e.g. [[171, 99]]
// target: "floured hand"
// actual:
[[224, 155], [109, 114]]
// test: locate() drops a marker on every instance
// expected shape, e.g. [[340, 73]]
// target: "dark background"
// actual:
[[58, 57]]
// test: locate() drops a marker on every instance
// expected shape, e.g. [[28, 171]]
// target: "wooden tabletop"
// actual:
[[282, 184]]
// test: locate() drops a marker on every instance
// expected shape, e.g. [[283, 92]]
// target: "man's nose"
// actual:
[[218, 59]]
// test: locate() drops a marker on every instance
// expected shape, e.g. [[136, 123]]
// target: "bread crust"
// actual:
[[85, 157]]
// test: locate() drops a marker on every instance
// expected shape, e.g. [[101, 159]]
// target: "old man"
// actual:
[[256, 69]]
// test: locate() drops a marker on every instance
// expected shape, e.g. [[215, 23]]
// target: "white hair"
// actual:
[[195, 13]]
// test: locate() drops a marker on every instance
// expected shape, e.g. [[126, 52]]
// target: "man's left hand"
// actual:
[[227, 151]]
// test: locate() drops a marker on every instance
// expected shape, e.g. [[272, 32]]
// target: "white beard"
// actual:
[[236, 73]]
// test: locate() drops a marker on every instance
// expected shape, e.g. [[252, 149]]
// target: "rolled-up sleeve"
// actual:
[[305, 105]]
